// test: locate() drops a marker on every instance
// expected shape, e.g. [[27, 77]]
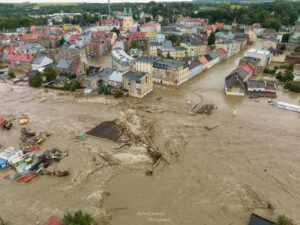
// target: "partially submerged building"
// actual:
[[235, 83], [137, 83], [170, 72]]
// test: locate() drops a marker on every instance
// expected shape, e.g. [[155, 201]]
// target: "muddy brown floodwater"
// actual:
[[246, 164]]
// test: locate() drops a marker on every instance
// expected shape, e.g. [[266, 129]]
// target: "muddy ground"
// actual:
[[248, 163]]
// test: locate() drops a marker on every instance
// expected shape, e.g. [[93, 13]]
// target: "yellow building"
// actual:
[[127, 19], [170, 72], [173, 52], [137, 83], [151, 35], [194, 49], [70, 27], [185, 30], [153, 48], [145, 63]]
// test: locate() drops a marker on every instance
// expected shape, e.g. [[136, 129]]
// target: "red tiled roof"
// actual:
[[208, 27], [271, 94], [53, 221], [188, 19], [19, 57], [29, 36], [270, 87], [74, 37], [8, 49], [133, 35], [245, 67], [203, 60], [151, 25], [221, 51], [219, 24]]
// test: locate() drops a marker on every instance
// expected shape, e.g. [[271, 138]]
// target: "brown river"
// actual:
[[247, 163]]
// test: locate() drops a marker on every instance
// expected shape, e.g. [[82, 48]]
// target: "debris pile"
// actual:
[[30, 141], [5, 124], [59, 173], [207, 108], [127, 135]]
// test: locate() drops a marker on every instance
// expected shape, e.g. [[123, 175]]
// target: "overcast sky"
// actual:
[[87, 1]]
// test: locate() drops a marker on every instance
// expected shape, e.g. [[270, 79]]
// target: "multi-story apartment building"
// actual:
[[145, 63], [170, 72], [194, 49]]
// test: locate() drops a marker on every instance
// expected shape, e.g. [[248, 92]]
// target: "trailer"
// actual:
[[288, 106]]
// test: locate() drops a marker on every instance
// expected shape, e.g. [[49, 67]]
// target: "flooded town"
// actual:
[[137, 118]]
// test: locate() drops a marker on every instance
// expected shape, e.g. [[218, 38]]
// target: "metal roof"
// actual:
[[134, 75]]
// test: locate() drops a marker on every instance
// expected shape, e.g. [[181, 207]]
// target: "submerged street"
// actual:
[[247, 163]]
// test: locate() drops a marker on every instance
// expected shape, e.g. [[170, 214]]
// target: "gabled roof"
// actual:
[[221, 51], [213, 55], [234, 80], [195, 63], [147, 59], [53, 221], [208, 57], [63, 64], [220, 24], [203, 60], [133, 35], [38, 59], [134, 75], [208, 27], [116, 76], [245, 67], [20, 57]]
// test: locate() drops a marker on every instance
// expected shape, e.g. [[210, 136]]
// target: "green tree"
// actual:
[[134, 44], [285, 38], [164, 23], [148, 19], [35, 81], [66, 20], [282, 220], [118, 94], [61, 41], [78, 219], [74, 85], [283, 47], [101, 90], [116, 31], [11, 74], [212, 38], [50, 73], [173, 38]]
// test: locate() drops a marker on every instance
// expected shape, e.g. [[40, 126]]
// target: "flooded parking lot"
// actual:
[[245, 164]]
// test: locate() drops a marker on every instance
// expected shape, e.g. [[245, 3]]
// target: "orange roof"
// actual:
[[221, 51], [203, 60], [29, 36], [208, 27], [219, 24], [246, 67]]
